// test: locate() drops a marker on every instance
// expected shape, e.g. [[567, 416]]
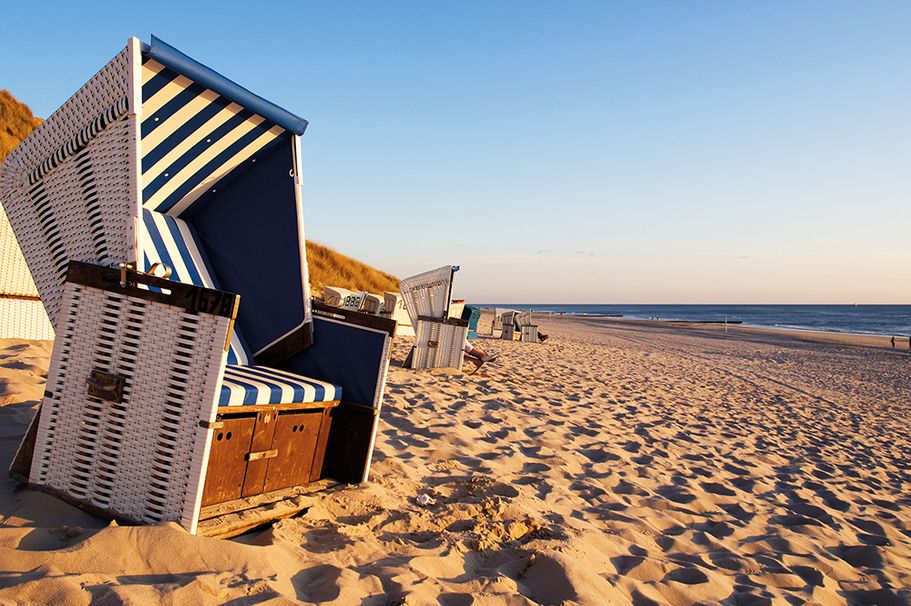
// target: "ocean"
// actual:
[[864, 319]]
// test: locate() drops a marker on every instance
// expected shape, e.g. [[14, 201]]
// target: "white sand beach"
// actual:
[[618, 463]]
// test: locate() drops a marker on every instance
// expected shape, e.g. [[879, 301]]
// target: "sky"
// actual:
[[603, 152]]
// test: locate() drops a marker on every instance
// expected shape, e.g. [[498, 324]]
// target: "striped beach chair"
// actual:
[[159, 211], [439, 339]]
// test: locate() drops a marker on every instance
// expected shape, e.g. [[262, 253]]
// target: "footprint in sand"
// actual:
[[687, 576]]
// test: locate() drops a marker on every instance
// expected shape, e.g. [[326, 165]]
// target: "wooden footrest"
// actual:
[[232, 518]]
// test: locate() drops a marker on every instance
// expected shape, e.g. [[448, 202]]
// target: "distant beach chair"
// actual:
[[224, 387], [22, 316], [394, 308], [472, 314], [439, 339], [373, 304], [508, 325], [496, 329], [344, 298], [528, 332]]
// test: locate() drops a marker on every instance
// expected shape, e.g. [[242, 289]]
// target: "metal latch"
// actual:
[[105, 385], [262, 454], [433, 343]]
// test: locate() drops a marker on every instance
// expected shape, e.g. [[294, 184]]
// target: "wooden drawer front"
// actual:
[[262, 442], [227, 461], [295, 438]]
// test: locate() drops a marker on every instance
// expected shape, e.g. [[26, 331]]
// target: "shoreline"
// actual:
[[798, 334]]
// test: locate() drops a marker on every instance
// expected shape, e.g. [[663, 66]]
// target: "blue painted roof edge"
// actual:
[[169, 56]]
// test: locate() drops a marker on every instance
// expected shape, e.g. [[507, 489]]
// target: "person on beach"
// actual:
[[893, 342], [477, 353]]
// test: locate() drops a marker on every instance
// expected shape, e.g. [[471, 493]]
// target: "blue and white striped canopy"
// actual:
[[220, 201], [191, 138]]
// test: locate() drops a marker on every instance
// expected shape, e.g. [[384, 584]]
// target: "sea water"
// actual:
[[863, 319]]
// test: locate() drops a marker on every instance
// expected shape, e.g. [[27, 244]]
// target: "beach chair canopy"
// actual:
[[159, 159], [428, 294]]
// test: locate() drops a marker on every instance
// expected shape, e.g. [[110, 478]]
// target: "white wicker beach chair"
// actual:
[[394, 308], [439, 339], [373, 304], [337, 296], [159, 161], [528, 332], [508, 325]]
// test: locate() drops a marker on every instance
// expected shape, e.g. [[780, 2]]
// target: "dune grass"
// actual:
[[329, 267], [16, 122]]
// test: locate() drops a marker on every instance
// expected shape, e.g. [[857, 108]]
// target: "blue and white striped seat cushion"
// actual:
[[172, 241], [249, 385]]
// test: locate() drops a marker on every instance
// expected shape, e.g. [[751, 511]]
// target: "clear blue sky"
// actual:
[[662, 152]]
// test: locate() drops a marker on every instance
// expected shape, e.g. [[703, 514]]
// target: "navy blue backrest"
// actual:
[[353, 357], [249, 229]]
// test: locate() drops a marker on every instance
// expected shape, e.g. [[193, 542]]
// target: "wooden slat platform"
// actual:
[[232, 518]]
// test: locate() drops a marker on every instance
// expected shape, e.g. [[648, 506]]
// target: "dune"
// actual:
[[619, 463]]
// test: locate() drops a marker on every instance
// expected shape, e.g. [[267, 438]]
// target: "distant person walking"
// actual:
[[893, 342]]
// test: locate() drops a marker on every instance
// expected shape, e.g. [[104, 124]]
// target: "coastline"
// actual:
[[799, 334]]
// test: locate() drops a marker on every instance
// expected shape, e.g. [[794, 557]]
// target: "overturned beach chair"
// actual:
[[222, 388], [439, 339]]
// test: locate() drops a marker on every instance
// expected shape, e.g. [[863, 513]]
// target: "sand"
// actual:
[[618, 463]]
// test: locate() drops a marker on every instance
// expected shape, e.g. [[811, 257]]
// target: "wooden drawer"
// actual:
[[296, 436], [227, 460], [265, 450]]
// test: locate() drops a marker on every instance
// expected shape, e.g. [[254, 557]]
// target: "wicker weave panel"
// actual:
[[427, 294], [80, 210], [143, 458], [529, 333], [24, 319], [15, 278], [109, 86], [438, 345]]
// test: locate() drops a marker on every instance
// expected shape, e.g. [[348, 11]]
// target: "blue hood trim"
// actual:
[[169, 56]]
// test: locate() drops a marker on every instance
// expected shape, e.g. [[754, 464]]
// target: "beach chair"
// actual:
[[496, 327], [342, 297], [528, 332], [439, 339], [456, 307], [394, 308], [192, 378], [508, 325], [373, 304], [22, 315], [472, 314]]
